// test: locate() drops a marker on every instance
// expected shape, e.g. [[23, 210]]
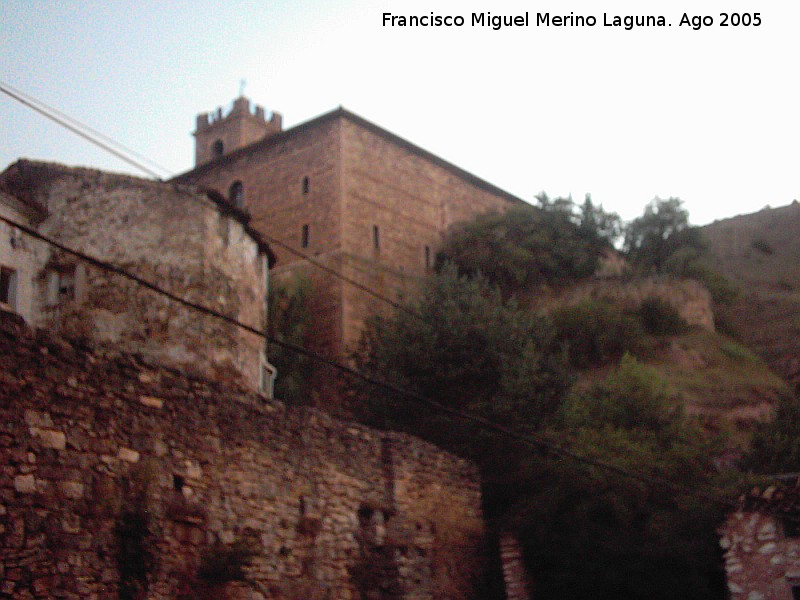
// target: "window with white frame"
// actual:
[[60, 285], [267, 383]]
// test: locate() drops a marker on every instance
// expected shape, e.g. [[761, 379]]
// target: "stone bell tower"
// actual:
[[217, 134]]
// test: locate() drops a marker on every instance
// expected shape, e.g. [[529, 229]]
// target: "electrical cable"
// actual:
[[340, 276], [533, 441], [528, 439], [83, 130]]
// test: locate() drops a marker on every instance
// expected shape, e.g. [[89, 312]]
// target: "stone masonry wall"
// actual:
[[19, 253], [690, 298], [411, 201], [362, 183], [116, 475], [281, 206], [274, 194], [761, 562]]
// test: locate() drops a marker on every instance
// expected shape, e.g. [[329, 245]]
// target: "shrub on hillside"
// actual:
[[596, 332], [688, 262], [633, 396], [291, 304], [659, 317], [775, 447], [526, 246], [762, 246]]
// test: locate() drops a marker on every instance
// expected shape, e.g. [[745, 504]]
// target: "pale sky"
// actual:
[[709, 115]]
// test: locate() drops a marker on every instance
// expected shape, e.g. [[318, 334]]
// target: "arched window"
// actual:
[[218, 148], [236, 194], [306, 185]]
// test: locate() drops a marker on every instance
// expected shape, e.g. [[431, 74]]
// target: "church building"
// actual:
[[341, 193]]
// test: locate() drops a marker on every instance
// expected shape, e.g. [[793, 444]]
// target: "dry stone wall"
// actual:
[[119, 476], [761, 562]]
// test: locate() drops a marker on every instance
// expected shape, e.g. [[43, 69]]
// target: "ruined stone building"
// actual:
[[356, 198], [18, 257], [191, 244]]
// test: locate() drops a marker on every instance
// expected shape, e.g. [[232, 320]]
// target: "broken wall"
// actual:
[[170, 235]]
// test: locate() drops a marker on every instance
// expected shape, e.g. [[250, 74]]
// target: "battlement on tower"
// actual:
[[218, 134]]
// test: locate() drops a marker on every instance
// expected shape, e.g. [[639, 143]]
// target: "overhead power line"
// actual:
[[91, 135], [530, 440], [366, 289], [123, 152]]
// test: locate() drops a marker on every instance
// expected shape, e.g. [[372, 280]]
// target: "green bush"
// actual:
[[775, 447], [596, 332], [526, 246], [659, 317], [633, 396], [737, 351], [463, 346], [290, 318], [762, 246], [689, 262]]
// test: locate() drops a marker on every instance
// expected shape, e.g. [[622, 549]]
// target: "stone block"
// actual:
[[193, 469], [160, 448], [72, 489], [768, 548], [35, 418], [50, 438], [128, 455], [25, 484], [152, 401]]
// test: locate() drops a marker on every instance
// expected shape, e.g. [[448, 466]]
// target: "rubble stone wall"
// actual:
[[761, 562], [118, 475]]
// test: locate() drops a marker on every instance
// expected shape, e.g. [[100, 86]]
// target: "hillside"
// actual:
[[760, 252], [716, 379], [719, 381]]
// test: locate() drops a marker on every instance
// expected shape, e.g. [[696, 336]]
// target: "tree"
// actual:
[[658, 233], [775, 447], [596, 332], [595, 223], [552, 243], [461, 345], [289, 321], [585, 530], [464, 344], [589, 531]]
